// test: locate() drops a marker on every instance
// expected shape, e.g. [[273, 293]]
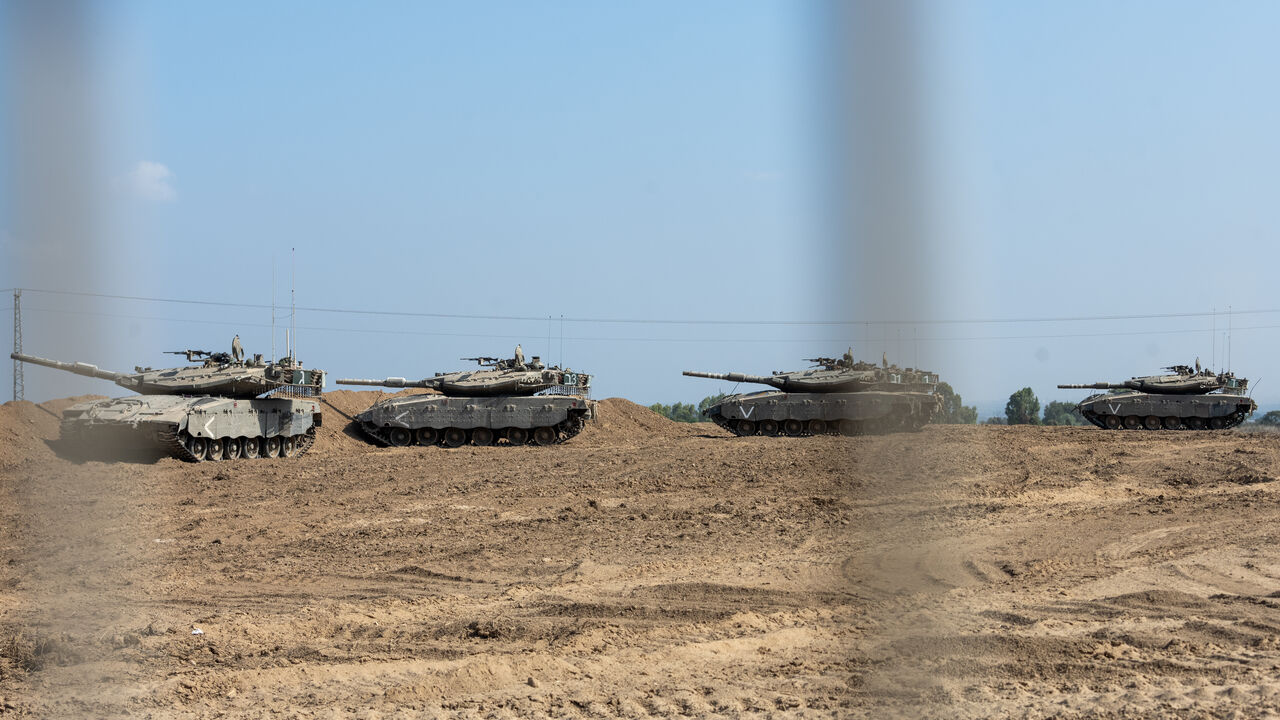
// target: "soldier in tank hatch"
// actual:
[[237, 350]]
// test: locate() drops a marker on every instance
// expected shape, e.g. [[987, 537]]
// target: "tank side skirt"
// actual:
[[1192, 412], [565, 427], [844, 413]]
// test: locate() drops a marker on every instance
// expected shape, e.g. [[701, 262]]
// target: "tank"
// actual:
[[1185, 399], [220, 408], [506, 401], [835, 396]]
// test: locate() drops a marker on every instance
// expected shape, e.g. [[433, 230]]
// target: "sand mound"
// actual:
[[338, 434], [25, 427], [620, 421]]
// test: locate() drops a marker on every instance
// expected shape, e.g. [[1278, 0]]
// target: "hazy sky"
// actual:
[[666, 163]]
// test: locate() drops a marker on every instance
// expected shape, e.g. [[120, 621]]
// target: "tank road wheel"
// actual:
[[271, 447], [792, 427], [1195, 423], [1151, 422], [252, 448], [847, 427], [399, 437], [482, 436], [1112, 422], [1217, 423], [198, 448], [454, 437], [746, 427], [231, 448], [1173, 423], [817, 426], [214, 448], [517, 436], [544, 436], [1132, 422], [428, 436], [289, 447], [769, 427]]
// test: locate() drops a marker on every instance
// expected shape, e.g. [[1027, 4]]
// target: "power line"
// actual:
[[400, 331], [449, 316], [598, 338], [669, 321]]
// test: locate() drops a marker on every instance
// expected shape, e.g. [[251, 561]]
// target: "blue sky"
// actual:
[[663, 162]]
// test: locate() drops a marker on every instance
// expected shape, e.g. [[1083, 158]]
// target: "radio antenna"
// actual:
[[293, 286], [273, 309]]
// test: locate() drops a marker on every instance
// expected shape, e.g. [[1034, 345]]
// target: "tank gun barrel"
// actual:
[[396, 382], [78, 368], [738, 377]]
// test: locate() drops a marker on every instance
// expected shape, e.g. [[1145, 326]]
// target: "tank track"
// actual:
[[175, 443], [907, 423], [1187, 423], [565, 430]]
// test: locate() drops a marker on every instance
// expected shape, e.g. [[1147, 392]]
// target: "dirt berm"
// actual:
[[647, 568]]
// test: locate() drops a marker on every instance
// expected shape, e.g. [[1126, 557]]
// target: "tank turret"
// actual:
[[833, 376], [217, 374], [1183, 380], [497, 377]]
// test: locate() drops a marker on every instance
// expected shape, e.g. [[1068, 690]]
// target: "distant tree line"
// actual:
[[1023, 408], [686, 412]]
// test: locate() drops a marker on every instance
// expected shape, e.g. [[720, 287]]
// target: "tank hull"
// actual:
[[196, 428], [1139, 410], [772, 412], [453, 421]]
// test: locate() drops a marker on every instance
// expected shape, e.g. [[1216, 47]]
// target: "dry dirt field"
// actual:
[[646, 568]]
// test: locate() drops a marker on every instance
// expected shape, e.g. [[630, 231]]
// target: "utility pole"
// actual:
[[19, 385]]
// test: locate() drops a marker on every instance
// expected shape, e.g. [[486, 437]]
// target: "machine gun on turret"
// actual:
[[485, 361], [208, 358]]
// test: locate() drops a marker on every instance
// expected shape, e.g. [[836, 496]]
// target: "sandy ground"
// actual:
[[647, 568]]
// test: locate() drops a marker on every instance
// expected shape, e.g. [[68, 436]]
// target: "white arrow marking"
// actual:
[[207, 423], [746, 412], [1115, 409]]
